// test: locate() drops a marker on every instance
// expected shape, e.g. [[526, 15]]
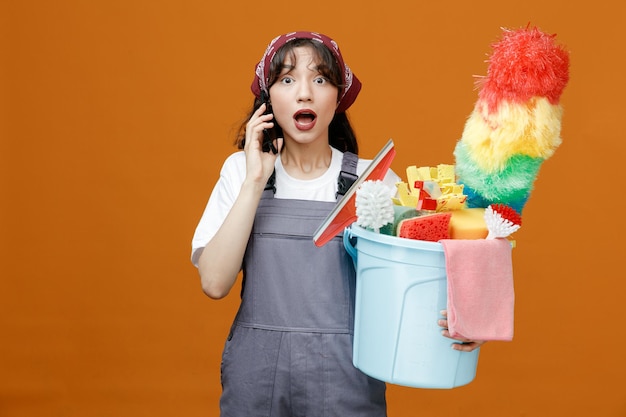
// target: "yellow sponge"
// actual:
[[468, 224]]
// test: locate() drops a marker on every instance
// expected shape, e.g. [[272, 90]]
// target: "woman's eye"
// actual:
[[286, 80], [320, 80]]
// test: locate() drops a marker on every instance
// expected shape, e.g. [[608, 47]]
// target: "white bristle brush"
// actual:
[[374, 207], [501, 221]]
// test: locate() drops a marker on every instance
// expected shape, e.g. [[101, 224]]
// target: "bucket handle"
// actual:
[[347, 243]]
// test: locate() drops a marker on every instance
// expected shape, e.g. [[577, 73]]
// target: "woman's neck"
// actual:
[[306, 161]]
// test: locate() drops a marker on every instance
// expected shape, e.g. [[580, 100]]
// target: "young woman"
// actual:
[[289, 351]]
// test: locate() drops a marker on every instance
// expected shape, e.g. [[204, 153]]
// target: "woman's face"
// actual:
[[303, 100]]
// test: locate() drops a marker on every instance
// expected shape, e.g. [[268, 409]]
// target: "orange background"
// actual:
[[116, 116]]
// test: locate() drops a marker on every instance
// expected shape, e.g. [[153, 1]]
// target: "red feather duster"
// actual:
[[525, 63]]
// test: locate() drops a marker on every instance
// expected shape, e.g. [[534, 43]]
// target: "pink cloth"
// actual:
[[480, 288]]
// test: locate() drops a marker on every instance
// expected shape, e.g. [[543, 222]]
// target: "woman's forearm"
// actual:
[[221, 260]]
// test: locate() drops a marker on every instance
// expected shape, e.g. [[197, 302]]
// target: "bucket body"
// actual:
[[401, 288]]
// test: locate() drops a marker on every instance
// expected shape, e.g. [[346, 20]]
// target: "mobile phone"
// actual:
[[269, 135]]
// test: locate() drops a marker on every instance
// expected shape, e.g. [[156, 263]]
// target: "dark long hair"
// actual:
[[340, 133]]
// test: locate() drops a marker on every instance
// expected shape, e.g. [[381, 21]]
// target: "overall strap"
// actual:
[[271, 184], [347, 176]]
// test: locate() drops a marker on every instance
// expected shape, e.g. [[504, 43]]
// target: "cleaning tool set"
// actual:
[[444, 241]]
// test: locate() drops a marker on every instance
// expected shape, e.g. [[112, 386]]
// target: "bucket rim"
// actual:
[[358, 231]]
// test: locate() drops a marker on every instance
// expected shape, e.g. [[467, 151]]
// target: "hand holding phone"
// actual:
[[269, 135]]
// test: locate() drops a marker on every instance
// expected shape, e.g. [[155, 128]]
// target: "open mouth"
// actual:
[[305, 119]]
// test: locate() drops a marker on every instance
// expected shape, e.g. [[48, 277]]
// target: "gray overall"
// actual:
[[289, 352]]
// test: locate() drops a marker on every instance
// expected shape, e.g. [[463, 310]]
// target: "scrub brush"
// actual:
[[501, 221], [374, 207]]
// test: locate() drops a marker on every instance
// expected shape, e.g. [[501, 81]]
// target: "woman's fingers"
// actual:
[[259, 164], [466, 345], [255, 126]]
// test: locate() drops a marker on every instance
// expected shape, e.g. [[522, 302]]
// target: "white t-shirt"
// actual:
[[233, 173]]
